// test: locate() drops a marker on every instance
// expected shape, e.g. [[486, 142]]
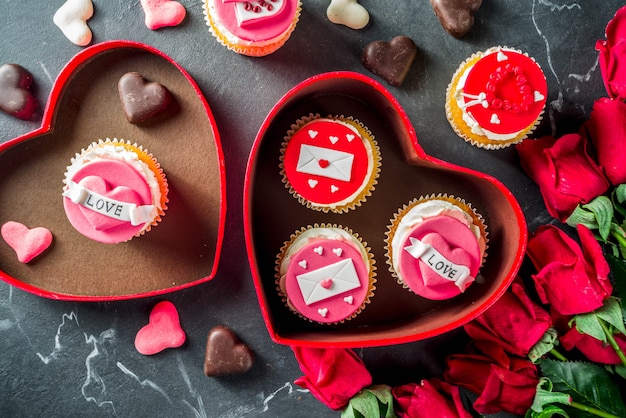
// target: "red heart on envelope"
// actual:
[[163, 330], [120, 193]]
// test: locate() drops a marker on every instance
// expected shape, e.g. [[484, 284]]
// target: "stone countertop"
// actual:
[[78, 359]]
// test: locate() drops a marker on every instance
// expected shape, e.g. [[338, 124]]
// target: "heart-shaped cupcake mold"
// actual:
[[394, 314], [84, 106]]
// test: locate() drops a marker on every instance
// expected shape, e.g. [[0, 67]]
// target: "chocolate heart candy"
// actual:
[[390, 60], [226, 354], [16, 97], [456, 16], [141, 99]]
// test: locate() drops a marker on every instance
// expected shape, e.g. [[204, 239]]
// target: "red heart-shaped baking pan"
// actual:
[[84, 106], [394, 315]]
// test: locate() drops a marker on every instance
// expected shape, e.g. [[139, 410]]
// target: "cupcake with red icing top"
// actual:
[[114, 191], [253, 28], [496, 98], [330, 164], [436, 245], [325, 274]]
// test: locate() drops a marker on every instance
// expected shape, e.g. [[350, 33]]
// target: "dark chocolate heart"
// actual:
[[456, 16], [390, 60], [226, 354], [141, 99], [16, 96]]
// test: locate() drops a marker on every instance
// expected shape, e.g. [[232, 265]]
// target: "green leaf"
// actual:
[[618, 270], [547, 342], [583, 217], [589, 324], [586, 383], [611, 313], [545, 396], [620, 193], [375, 401], [548, 412], [602, 208]]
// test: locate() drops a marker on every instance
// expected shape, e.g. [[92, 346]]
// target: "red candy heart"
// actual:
[[326, 283], [163, 330], [16, 96], [323, 163], [27, 243], [226, 354]]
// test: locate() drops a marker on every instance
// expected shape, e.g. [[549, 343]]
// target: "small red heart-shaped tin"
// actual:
[[394, 315], [84, 106]]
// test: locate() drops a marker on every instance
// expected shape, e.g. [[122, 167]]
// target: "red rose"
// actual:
[[430, 398], [612, 57], [503, 383], [567, 176], [332, 375], [592, 348], [572, 279], [514, 321], [606, 128]]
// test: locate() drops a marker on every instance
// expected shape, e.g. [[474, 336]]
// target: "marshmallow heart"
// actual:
[[72, 19], [161, 13], [163, 330], [98, 185], [27, 243], [455, 255], [348, 13], [16, 96]]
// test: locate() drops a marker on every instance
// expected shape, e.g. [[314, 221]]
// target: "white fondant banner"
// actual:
[[124, 211], [328, 281], [325, 162], [445, 268]]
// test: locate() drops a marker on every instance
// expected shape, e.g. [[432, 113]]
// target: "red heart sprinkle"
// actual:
[[326, 283], [323, 163]]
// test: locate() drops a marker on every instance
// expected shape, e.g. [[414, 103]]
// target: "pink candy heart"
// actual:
[[161, 13], [163, 330], [27, 243], [120, 193]]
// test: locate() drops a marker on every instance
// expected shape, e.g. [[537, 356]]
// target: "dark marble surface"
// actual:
[[78, 359]]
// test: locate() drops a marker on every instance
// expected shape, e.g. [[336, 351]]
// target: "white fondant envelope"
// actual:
[[336, 165], [343, 276]]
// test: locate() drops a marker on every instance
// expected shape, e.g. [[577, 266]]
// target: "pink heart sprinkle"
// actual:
[[326, 283], [27, 243], [161, 13], [163, 330]]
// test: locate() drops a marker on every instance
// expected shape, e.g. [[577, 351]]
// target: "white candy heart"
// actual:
[[337, 251], [501, 56], [302, 264], [312, 183], [72, 18], [312, 133], [333, 188], [349, 137], [348, 299], [333, 139], [495, 119], [538, 96], [348, 13], [318, 250], [323, 312]]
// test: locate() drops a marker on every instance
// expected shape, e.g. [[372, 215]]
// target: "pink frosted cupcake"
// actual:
[[254, 28], [325, 274], [114, 191], [435, 246]]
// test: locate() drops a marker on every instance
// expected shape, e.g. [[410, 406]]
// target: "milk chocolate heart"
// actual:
[[226, 354], [456, 16], [390, 60], [84, 107], [394, 314], [27, 243], [161, 13], [162, 331], [141, 99], [16, 96]]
